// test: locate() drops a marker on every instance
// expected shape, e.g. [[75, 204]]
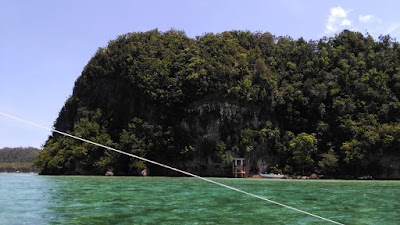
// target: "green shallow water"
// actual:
[[33, 199]]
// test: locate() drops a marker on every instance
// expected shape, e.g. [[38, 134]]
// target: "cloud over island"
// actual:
[[340, 18], [337, 20]]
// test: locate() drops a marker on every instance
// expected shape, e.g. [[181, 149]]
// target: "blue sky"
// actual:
[[44, 45]]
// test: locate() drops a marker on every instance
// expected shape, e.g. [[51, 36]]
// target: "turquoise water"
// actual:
[[33, 199]]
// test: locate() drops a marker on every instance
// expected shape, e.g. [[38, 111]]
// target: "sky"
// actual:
[[45, 44]]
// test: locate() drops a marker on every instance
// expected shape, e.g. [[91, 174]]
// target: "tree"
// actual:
[[303, 148]]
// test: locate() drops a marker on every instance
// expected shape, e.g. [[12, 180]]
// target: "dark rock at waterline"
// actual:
[[109, 173]]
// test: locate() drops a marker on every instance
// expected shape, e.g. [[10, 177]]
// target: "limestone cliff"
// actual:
[[289, 106]]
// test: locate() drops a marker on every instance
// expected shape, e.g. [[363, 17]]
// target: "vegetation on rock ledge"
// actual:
[[329, 106]]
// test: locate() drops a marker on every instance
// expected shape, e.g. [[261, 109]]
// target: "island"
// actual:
[[328, 107]]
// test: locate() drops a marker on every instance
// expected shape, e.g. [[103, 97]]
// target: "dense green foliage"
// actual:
[[18, 159], [329, 106]]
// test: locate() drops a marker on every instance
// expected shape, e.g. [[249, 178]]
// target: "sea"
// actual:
[[34, 199]]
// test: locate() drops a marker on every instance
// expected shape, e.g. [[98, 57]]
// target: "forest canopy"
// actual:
[[18, 159], [329, 106]]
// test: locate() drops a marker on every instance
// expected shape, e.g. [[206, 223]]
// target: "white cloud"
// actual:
[[341, 18], [337, 20], [345, 22], [338, 12], [365, 19]]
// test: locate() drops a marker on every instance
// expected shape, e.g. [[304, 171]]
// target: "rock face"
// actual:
[[109, 173], [197, 103]]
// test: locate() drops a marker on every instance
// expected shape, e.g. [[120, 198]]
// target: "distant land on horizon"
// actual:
[[18, 159]]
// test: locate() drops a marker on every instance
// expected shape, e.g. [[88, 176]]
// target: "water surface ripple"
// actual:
[[33, 199]]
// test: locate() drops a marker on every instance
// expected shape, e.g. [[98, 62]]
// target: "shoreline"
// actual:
[[254, 176]]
